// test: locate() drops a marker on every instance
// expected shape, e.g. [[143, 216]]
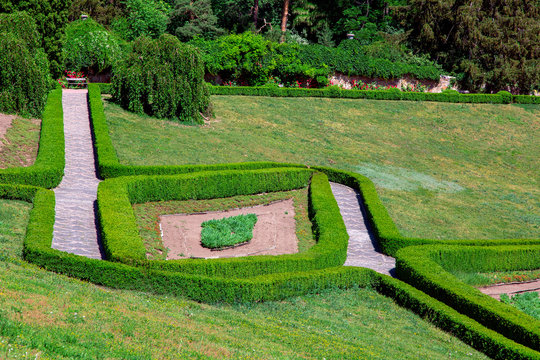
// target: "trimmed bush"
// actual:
[[162, 78], [391, 94], [48, 169], [24, 76], [426, 268]]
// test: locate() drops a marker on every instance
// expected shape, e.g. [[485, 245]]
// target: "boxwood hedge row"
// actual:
[[502, 97], [37, 249], [48, 169], [123, 243], [425, 267]]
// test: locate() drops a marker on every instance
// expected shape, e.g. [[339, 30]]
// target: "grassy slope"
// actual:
[[442, 170], [46, 315], [20, 145]]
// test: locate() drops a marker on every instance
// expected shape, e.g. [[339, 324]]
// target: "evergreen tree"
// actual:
[[192, 18], [50, 17], [493, 44]]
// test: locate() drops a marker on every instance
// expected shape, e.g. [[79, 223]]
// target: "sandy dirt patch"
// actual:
[[495, 291], [5, 123], [273, 234]]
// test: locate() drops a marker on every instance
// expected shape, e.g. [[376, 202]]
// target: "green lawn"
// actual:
[[20, 145], [48, 316], [443, 170]]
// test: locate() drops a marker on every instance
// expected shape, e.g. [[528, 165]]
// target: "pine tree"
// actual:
[[192, 18]]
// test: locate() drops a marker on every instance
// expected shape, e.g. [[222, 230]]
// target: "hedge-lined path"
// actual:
[[511, 289], [75, 227], [363, 248]]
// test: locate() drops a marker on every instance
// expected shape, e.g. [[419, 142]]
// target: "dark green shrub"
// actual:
[[162, 78], [506, 97], [24, 69], [89, 46]]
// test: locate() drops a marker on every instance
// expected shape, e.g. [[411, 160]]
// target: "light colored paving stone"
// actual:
[[75, 227], [363, 249]]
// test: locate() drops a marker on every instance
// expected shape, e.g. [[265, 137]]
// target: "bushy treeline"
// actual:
[[252, 59]]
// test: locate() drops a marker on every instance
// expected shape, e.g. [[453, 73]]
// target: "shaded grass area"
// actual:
[[528, 302], [484, 279], [443, 170], [21, 142], [147, 216], [50, 316]]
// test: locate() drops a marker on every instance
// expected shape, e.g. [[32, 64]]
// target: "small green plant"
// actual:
[[229, 231], [528, 302]]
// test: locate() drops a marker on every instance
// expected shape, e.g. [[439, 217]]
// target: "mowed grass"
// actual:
[[48, 316], [448, 171]]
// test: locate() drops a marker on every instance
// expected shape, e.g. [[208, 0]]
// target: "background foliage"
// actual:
[[24, 75], [88, 46], [163, 78]]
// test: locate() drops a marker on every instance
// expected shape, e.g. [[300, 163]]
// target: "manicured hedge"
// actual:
[[392, 94], [48, 169], [123, 243], [109, 166], [425, 267], [384, 228], [468, 330]]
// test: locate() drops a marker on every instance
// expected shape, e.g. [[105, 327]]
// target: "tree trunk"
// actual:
[[255, 13], [284, 17]]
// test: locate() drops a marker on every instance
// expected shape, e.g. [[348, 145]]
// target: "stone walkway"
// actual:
[[75, 227], [363, 248]]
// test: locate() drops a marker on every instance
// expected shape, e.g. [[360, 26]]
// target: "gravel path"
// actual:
[[75, 226], [363, 249], [495, 291]]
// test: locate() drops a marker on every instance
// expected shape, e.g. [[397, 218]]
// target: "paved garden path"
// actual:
[[363, 248], [75, 227]]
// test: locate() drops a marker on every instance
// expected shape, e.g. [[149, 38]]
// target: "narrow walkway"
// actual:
[[363, 248], [511, 289], [75, 227]]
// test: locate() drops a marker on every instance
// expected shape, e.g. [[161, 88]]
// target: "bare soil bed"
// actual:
[[273, 234]]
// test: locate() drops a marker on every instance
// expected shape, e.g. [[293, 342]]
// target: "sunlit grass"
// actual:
[[442, 170], [48, 316], [20, 145]]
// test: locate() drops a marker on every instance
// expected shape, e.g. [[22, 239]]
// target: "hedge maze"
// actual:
[[425, 283]]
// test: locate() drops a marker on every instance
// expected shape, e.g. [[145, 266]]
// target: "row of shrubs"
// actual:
[[37, 249], [251, 59], [452, 96], [123, 243], [426, 268], [48, 169]]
